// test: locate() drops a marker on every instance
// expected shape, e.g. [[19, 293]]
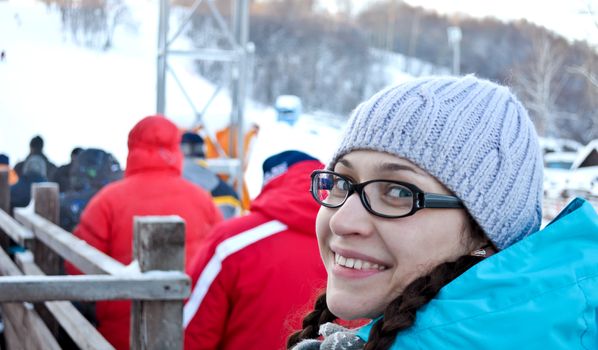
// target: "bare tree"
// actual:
[[413, 41], [117, 14], [589, 71], [92, 22], [541, 80]]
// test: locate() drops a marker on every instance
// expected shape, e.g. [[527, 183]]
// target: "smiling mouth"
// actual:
[[357, 264]]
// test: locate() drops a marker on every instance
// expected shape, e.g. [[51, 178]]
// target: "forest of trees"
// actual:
[[556, 79], [329, 65], [328, 60], [92, 22]]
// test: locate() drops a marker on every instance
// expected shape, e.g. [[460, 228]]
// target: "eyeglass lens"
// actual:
[[383, 197]]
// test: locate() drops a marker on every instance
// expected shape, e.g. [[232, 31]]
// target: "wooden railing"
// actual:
[[155, 282]]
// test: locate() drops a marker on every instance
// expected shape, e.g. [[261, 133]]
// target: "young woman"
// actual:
[[431, 179]]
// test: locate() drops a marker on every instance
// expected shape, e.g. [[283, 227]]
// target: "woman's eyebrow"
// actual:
[[384, 167], [346, 163], [397, 167]]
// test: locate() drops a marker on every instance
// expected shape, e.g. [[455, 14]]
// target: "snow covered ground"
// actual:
[[74, 96], [69, 95]]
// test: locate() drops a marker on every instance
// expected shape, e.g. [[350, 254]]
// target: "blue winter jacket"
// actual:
[[20, 193], [541, 293]]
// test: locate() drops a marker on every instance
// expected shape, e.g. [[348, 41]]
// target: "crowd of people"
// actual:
[[422, 232]]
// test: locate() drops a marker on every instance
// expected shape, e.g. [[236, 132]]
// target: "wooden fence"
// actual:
[[155, 282]]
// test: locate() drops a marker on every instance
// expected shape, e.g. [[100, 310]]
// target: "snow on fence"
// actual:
[[157, 287]]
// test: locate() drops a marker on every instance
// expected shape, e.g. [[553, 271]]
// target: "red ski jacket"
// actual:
[[257, 276]]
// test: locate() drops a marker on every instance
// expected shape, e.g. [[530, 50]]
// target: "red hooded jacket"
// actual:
[[152, 186], [257, 276]]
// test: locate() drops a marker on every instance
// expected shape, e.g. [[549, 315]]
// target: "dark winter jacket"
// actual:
[[62, 178], [20, 193]]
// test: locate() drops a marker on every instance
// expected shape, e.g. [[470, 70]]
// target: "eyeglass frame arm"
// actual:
[[434, 200]]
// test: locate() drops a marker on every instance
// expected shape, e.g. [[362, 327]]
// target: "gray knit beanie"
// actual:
[[473, 135]]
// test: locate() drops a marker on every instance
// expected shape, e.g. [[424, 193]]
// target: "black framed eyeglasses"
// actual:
[[384, 198]]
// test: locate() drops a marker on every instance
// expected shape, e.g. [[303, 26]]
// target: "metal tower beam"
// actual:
[[237, 57]]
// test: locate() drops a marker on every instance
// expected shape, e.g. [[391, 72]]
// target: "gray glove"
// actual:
[[335, 338]]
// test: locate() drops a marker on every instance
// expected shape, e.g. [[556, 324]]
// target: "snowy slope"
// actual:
[[74, 96], [71, 96]]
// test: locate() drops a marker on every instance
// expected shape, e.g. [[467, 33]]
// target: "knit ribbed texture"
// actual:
[[473, 135], [335, 337]]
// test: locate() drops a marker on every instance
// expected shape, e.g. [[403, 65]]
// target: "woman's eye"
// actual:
[[341, 184], [398, 192]]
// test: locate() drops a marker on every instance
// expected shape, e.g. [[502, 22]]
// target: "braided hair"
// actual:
[[400, 313], [311, 323]]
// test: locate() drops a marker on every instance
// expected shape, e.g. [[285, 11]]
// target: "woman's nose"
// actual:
[[351, 218]]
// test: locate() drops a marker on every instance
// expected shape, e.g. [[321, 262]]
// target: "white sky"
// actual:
[[566, 17]]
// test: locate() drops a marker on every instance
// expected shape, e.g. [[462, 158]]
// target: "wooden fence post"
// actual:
[[158, 244], [4, 191], [47, 205], [4, 204]]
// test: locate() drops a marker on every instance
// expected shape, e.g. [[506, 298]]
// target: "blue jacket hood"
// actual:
[[540, 293]]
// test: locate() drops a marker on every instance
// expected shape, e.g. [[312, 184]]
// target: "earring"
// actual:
[[479, 252]]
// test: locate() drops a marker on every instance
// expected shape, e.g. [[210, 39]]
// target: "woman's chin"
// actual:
[[346, 308]]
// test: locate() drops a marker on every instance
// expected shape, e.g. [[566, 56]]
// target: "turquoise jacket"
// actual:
[[540, 293]]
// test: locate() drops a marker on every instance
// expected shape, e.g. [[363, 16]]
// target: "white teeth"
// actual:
[[342, 260], [356, 264]]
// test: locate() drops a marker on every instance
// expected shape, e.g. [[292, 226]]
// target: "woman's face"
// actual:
[[390, 253]]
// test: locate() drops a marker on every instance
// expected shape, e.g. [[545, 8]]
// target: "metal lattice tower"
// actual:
[[237, 34]]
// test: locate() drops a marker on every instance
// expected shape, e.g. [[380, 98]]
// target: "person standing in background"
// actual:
[[62, 173], [34, 171], [36, 147], [256, 270], [195, 169], [90, 171], [152, 185], [62, 176]]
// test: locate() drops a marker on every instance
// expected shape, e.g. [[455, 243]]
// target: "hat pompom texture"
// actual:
[[473, 135]]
